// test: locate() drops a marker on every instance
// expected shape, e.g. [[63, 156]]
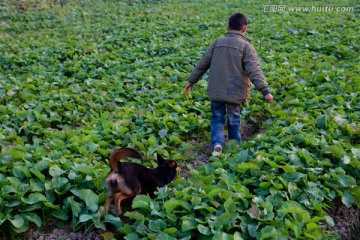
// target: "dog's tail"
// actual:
[[120, 153]]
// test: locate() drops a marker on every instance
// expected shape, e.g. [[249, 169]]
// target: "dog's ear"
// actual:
[[160, 159], [172, 164]]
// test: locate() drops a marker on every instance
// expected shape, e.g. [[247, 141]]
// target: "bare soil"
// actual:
[[347, 221], [65, 233]]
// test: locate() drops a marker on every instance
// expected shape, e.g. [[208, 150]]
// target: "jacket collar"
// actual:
[[233, 33]]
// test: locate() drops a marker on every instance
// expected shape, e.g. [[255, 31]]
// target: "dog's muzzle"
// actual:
[[113, 183]]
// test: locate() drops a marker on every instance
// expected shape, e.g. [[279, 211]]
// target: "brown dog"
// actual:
[[128, 179]]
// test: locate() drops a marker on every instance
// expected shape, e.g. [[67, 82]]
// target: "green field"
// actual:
[[78, 78]]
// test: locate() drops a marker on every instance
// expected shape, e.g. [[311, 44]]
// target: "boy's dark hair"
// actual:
[[237, 21]]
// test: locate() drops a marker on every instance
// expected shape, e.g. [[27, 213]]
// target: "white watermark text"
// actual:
[[285, 8]]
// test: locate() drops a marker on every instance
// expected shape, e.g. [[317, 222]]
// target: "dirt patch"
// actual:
[[198, 158], [250, 130], [347, 222], [65, 233]]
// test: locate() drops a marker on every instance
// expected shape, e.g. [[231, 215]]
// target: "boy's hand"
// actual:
[[188, 88], [269, 98]]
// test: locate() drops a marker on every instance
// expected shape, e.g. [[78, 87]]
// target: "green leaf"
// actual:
[[34, 198], [157, 225], [33, 217], [17, 221], [347, 199], [356, 194], [126, 229], [85, 170], [61, 214], [21, 172], [41, 165], [265, 185], [164, 236], [305, 155], [335, 151], [293, 190], [252, 229], [13, 203], [321, 121], [329, 220], [135, 215], [22, 229], [91, 147], [15, 182], [289, 168], [242, 156], [188, 224], [107, 235], [75, 206], [89, 197], [224, 221], [142, 202], [171, 231], [58, 182], [356, 152], [292, 207], [245, 166], [38, 174], [293, 226], [173, 203], [85, 217], [175, 139], [203, 229], [151, 141], [270, 232], [16, 154], [98, 222], [224, 236], [312, 226], [116, 221], [346, 180], [293, 176], [131, 236], [83, 150], [55, 171]]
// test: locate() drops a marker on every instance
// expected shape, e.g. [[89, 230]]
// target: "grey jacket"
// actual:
[[232, 61]]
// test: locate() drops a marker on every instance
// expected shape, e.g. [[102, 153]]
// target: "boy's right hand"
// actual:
[[188, 88], [269, 98]]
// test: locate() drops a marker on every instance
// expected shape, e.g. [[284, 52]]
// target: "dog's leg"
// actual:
[[108, 201], [118, 198]]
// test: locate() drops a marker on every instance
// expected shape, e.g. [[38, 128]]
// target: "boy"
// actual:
[[232, 61]]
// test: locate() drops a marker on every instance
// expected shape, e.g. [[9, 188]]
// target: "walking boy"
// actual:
[[232, 61]]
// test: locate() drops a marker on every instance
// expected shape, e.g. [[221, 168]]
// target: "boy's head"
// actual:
[[237, 22]]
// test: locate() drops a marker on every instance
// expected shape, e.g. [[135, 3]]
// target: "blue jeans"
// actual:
[[219, 111]]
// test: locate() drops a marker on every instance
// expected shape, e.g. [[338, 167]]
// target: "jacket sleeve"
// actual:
[[252, 68], [203, 65]]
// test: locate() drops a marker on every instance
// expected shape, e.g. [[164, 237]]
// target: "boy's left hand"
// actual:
[[188, 88], [269, 98]]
